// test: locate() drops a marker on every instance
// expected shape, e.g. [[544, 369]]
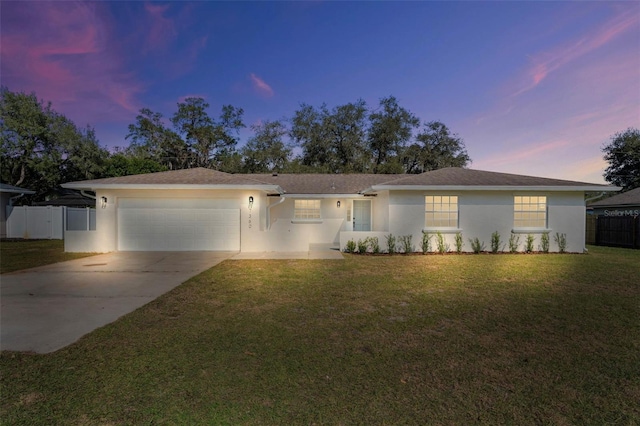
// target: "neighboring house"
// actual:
[[202, 209], [625, 204], [8, 194], [70, 199]]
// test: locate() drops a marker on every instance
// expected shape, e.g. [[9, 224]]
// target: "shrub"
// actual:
[[544, 242], [529, 243], [476, 245], [374, 245], [561, 240], [407, 246], [514, 242], [459, 242], [362, 246], [391, 244], [350, 247], [442, 245], [426, 242], [495, 242]]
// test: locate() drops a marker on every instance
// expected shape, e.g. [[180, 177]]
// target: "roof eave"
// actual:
[[158, 186], [323, 195], [16, 191], [545, 188]]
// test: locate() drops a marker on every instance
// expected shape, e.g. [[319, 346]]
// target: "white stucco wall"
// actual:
[[483, 212], [289, 234], [105, 237], [396, 212]]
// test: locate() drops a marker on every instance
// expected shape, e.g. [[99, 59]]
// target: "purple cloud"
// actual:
[[260, 86], [545, 63], [67, 59]]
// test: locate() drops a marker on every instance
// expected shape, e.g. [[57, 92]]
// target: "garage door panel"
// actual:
[[144, 225]]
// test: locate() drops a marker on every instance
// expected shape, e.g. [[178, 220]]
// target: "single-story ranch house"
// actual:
[[203, 209]]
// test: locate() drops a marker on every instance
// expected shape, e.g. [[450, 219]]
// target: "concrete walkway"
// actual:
[[47, 308], [319, 251]]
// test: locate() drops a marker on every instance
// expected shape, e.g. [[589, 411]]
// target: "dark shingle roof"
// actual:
[[68, 200], [197, 176], [14, 189], [628, 198], [309, 183], [456, 176]]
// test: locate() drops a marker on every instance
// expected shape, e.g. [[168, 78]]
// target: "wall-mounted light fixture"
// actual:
[[338, 204], [250, 202], [103, 202]]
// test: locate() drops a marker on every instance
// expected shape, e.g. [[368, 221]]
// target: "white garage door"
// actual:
[[177, 225]]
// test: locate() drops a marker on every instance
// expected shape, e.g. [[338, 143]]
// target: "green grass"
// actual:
[[23, 254], [508, 339]]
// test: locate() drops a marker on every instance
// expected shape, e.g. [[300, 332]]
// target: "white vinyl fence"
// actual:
[[48, 222]]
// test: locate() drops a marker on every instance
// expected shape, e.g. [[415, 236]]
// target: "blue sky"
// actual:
[[532, 87]]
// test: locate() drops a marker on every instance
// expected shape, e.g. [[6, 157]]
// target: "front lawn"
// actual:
[[23, 254], [487, 339]]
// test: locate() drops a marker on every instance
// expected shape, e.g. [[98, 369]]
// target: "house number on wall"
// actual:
[[249, 220]]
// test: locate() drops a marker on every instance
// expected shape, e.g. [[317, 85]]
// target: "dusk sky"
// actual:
[[531, 87]]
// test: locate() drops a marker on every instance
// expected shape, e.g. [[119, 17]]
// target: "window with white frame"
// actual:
[[441, 211], [306, 209], [529, 211]]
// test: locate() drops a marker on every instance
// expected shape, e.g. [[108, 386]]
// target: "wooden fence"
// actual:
[[621, 231]]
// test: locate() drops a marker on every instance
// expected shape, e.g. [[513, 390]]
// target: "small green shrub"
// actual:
[[514, 242], [407, 245], [350, 247], [441, 244], [374, 245], [544, 242], [426, 242], [495, 242], [459, 242], [391, 244], [476, 245], [362, 246], [561, 241], [529, 243]]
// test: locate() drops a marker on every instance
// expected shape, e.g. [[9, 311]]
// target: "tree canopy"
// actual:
[[41, 148], [623, 155]]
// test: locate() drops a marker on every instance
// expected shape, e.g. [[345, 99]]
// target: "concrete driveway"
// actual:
[[47, 308]]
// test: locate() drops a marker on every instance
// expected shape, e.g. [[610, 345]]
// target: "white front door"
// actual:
[[361, 215]]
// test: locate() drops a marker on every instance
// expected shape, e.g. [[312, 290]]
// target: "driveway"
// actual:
[[47, 308]]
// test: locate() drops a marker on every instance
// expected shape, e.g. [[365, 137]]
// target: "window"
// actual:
[[441, 211], [307, 209], [530, 211]]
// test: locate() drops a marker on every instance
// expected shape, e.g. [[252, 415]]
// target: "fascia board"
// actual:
[[15, 191], [585, 188], [102, 186], [316, 196]]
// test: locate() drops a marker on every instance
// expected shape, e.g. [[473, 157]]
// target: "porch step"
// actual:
[[324, 247]]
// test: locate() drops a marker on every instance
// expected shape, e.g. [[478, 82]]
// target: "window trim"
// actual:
[[297, 219], [446, 228], [531, 229]]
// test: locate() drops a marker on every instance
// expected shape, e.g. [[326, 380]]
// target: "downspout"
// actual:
[[280, 201], [593, 198], [84, 194], [12, 199]]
